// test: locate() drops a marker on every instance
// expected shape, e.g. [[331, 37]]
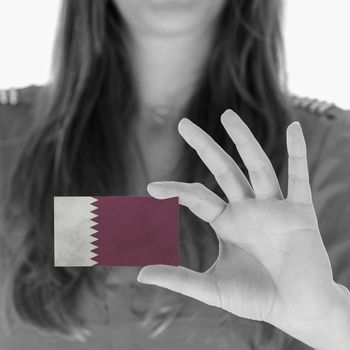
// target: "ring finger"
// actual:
[[227, 173], [261, 173]]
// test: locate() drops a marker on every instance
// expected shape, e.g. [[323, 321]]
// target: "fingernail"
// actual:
[[139, 278], [184, 120], [230, 111], [153, 186], [183, 124], [228, 114], [154, 189], [155, 183]]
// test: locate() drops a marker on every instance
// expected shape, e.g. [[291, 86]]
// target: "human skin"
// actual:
[[169, 18], [272, 265]]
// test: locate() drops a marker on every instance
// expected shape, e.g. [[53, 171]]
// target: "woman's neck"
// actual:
[[168, 68]]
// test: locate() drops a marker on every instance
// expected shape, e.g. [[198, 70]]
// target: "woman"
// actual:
[[126, 72]]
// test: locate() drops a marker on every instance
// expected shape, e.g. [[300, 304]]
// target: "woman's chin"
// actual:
[[171, 23], [169, 17]]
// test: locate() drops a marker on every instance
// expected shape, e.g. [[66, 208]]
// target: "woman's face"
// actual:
[[169, 17]]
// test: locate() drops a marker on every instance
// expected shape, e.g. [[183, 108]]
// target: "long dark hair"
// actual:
[[77, 143]]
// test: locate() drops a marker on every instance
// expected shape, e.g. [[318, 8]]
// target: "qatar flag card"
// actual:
[[116, 231]]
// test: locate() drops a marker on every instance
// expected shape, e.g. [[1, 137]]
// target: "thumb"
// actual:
[[182, 280]]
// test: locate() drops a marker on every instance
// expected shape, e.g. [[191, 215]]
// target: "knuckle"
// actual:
[[258, 167], [223, 172], [298, 178]]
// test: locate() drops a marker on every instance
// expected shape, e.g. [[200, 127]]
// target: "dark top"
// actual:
[[327, 132]]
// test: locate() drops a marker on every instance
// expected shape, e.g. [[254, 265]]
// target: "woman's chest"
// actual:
[[155, 156], [123, 332]]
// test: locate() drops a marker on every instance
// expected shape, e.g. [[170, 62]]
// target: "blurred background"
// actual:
[[316, 36]]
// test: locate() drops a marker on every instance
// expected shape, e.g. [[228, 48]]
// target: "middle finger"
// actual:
[[261, 173], [227, 173]]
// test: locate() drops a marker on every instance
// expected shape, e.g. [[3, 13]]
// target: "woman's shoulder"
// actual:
[[319, 117], [17, 109], [320, 108], [19, 97], [16, 118], [327, 135], [326, 128]]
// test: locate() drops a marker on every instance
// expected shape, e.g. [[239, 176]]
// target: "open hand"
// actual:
[[272, 265]]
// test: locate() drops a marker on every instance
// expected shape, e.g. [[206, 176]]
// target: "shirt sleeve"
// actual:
[[331, 197]]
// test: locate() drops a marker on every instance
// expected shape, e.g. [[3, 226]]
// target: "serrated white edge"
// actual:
[[72, 231]]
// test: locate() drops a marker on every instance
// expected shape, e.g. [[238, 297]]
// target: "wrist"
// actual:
[[334, 329]]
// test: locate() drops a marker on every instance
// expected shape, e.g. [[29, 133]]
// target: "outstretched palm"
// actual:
[[272, 264], [271, 261]]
